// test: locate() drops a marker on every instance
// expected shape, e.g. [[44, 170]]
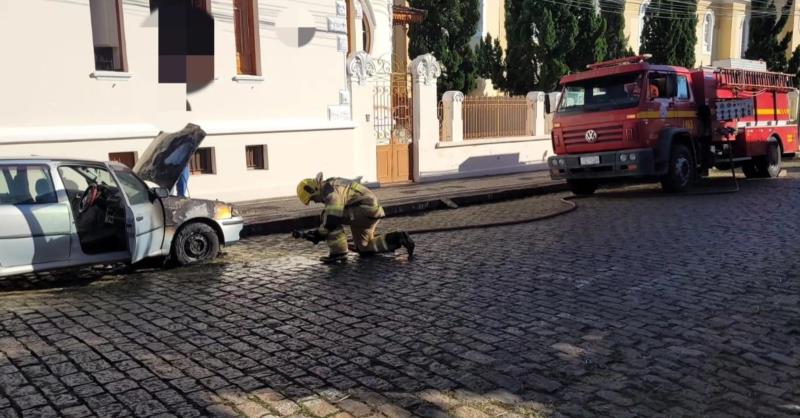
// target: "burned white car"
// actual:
[[58, 213]]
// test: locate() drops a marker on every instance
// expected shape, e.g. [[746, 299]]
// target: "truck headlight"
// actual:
[[623, 157]]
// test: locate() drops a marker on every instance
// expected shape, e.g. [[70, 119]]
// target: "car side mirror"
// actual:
[[159, 192]]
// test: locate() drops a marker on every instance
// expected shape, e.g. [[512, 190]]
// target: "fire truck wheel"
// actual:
[[770, 164], [582, 187], [750, 169], [681, 170]]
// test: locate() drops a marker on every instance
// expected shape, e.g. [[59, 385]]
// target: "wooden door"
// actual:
[[394, 126]]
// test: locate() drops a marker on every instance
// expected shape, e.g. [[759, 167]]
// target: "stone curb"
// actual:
[[399, 207]]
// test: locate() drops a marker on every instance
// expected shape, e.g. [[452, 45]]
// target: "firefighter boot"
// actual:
[[334, 258], [401, 239]]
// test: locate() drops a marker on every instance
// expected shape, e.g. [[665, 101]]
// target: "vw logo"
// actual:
[[591, 136]]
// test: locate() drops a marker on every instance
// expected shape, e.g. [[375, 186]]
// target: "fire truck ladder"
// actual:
[[754, 80]]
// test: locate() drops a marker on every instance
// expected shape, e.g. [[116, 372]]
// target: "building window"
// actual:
[[202, 161], [642, 13], [126, 158], [108, 35], [256, 157], [708, 31], [366, 30], [245, 23]]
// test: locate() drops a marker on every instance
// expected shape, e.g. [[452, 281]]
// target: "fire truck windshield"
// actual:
[[603, 93]]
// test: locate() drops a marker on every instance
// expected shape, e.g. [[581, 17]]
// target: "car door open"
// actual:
[[144, 215]]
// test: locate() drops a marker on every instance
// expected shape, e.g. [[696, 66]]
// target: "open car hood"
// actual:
[[164, 160]]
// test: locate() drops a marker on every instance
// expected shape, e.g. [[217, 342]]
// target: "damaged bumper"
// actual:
[[231, 229]]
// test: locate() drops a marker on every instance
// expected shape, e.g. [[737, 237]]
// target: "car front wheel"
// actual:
[[195, 242]]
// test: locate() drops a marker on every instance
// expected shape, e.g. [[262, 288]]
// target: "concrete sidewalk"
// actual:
[[281, 215]]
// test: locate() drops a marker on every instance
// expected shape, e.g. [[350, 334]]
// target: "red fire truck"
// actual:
[[628, 118]]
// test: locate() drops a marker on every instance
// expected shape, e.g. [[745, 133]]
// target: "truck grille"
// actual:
[[604, 134]]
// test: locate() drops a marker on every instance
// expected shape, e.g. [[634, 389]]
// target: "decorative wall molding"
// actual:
[[361, 67], [339, 113], [342, 43], [337, 24], [341, 8], [426, 69], [453, 96]]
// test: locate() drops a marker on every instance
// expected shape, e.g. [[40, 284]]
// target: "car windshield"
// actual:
[[605, 93]]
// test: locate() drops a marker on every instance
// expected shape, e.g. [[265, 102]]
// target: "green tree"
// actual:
[[446, 33], [490, 61], [669, 32], [521, 64], [616, 42], [541, 35], [765, 29], [590, 42]]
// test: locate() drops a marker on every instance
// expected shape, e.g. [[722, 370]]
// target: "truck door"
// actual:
[[144, 217], [36, 226], [661, 91], [684, 110]]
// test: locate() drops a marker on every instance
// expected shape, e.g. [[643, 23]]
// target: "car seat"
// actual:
[[44, 192]]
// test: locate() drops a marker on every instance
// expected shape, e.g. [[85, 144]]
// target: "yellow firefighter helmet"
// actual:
[[308, 188]]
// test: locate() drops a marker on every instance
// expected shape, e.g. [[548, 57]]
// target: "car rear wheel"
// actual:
[[582, 187], [195, 242], [681, 170]]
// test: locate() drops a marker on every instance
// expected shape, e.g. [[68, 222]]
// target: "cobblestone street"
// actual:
[[637, 304]]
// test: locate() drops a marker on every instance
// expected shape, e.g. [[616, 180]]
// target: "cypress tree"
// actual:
[[616, 42], [669, 32], [490, 61], [521, 64], [590, 42], [446, 33], [765, 28]]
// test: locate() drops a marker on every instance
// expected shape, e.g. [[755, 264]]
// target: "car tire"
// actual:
[[582, 187], [681, 170], [195, 242]]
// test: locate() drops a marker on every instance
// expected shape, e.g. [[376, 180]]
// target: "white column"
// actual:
[[553, 98], [536, 114], [452, 115], [361, 70], [425, 71]]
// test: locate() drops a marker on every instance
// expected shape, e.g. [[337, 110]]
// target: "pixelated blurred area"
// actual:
[[185, 42], [295, 26]]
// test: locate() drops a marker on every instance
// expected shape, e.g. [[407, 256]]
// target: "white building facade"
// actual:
[[81, 79]]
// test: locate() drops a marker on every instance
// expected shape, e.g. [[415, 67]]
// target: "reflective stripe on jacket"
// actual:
[[346, 200]]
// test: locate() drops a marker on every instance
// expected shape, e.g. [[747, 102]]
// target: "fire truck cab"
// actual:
[[631, 119]]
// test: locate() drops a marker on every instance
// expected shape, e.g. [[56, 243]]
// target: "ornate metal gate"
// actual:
[[394, 126]]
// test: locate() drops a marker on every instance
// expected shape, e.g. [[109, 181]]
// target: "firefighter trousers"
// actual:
[[364, 238]]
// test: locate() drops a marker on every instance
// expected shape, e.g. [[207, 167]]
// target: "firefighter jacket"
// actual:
[[346, 200]]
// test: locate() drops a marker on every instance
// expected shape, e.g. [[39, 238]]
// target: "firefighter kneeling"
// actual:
[[348, 202]]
